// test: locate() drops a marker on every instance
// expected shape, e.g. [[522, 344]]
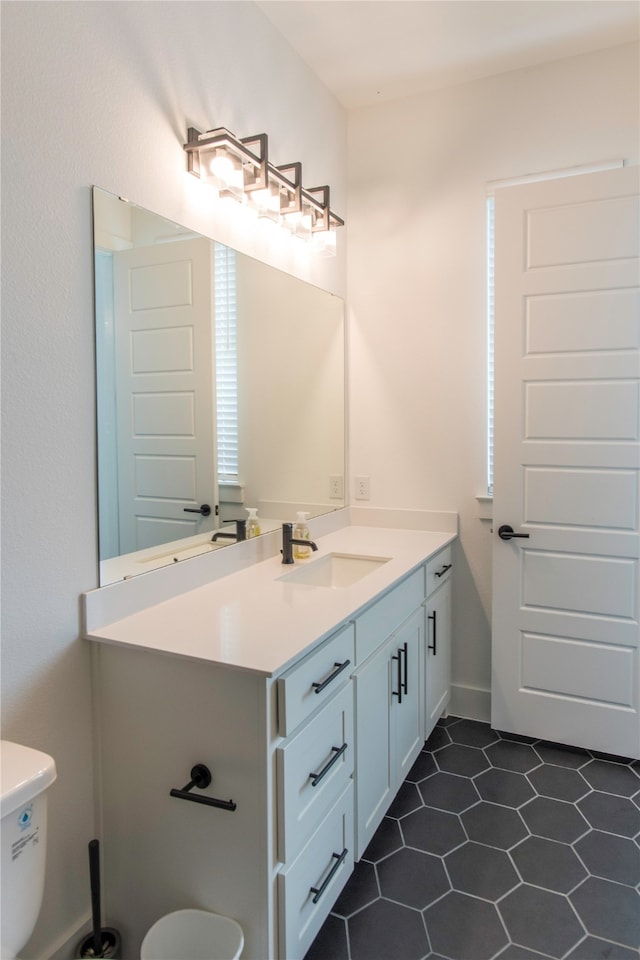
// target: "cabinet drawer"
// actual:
[[313, 768], [381, 618], [314, 680], [319, 873], [439, 569]]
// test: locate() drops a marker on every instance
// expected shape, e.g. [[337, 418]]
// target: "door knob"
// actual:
[[205, 509], [505, 532]]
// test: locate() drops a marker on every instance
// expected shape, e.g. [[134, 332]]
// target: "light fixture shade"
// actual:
[[299, 222], [228, 163], [266, 202], [324, 244], [212, 158], [224, 171], [255, 164], [319, 208], [290, 188]]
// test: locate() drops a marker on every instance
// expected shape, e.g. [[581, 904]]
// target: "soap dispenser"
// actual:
[[301, 532], [253, 524]]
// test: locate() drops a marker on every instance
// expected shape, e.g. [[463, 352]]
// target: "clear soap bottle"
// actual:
[[253, 524], [301, 532]]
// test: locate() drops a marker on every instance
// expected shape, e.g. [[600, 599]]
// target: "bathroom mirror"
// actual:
[[220, 387]]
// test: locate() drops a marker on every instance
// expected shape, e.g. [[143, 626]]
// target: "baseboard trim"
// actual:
[[65, 945], [473, 703]]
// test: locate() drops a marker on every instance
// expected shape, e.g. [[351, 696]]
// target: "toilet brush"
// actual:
[[102, 941]]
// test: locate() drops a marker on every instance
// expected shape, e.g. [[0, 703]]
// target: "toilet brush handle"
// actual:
[[94, 878]]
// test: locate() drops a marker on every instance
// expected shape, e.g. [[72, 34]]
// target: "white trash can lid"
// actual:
[[193, 935]]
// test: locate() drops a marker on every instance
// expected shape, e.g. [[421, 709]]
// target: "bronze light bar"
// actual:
[[241, 169]]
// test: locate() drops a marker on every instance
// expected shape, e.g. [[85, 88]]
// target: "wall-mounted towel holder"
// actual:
[[201, 778]]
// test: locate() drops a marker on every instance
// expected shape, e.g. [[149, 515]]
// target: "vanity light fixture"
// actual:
[[241, 169]]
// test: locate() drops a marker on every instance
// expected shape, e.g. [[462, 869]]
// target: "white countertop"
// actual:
[[251, 620]]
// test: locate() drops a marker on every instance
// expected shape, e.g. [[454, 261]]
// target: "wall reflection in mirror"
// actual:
[[220, 388]]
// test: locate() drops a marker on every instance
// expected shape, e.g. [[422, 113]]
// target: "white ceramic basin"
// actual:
[[334, 570]]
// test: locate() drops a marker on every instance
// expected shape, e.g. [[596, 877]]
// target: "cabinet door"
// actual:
[[407, 725], [374, 778], [438, 665], [389, 723]]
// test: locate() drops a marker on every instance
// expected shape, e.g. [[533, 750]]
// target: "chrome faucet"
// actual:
[[288, 540], [240, 534]]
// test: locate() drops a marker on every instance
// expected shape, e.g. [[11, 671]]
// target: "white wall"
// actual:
[[418, 173], [290, 424], [102, 93]]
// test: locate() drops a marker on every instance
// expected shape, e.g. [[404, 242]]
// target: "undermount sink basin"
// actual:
[[334, 570]]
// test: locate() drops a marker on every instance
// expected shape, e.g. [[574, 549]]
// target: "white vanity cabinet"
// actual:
[[438, 646], [389, 703], [282, 750], [308, 709]]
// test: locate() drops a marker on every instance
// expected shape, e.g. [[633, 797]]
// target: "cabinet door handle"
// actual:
[[317, 777], [319, 687], [318, 891], [398, 693], [405, 682], [432, 646], [441, 573]]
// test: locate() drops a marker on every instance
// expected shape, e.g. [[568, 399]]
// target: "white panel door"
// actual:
[[164, 392], [567, 455]]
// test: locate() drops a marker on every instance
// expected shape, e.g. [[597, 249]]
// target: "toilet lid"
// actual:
[[24, 773]]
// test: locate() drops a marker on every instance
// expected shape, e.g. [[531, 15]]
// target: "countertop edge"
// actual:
[[212, 624]]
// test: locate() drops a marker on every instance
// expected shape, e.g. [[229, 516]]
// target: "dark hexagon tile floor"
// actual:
[[497, 847]]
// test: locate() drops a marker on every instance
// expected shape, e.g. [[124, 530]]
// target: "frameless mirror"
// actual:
[[220, 387]]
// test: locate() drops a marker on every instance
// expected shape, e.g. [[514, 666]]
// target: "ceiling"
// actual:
[[369, 51]]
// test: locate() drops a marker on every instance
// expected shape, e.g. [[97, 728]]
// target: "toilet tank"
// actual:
[[25, 775]]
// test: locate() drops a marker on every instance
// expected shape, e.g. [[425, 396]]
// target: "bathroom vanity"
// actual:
[[307, 691]]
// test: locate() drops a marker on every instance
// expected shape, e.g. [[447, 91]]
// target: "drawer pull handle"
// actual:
[[318, 891], [398, 693], [319, 687], [441, 573], [317, 777], [405, 682], [432, 646]]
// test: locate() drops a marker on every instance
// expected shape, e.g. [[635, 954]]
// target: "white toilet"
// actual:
[[25, 775], [193, 935]]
